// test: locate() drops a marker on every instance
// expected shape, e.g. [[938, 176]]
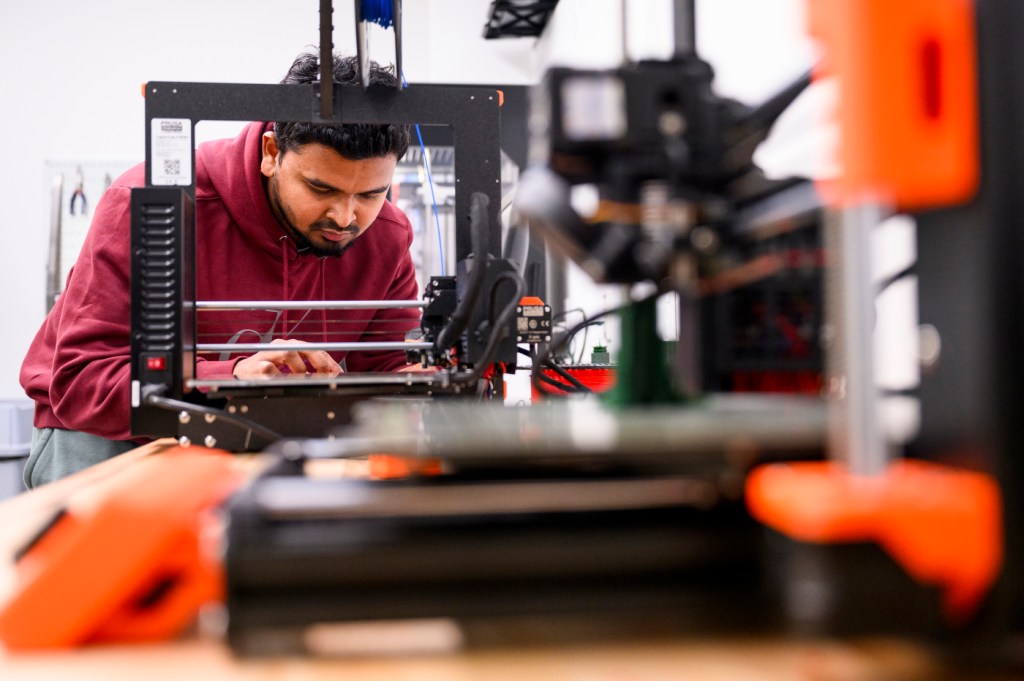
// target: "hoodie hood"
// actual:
[[239, 187]]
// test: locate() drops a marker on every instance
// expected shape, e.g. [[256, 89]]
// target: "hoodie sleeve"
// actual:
[[393, 322], [88, 329]]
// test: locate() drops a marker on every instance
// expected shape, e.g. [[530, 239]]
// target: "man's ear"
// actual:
[[268, 164]]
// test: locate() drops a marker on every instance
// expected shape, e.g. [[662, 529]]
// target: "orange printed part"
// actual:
[[126, 561], [908, 97], [942, 525], [391, 467], [530, 300]]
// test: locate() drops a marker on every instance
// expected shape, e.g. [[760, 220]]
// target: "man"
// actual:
[[285, 211]]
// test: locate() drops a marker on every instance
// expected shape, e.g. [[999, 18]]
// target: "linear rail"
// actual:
[[307, 304], [329, 347]]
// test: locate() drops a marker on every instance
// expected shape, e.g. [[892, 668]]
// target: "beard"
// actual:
[[303, 243]]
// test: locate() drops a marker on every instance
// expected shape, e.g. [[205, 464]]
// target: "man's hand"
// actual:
[[293, 361]]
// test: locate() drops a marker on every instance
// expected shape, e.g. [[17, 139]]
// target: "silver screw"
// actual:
[[704, 239], [184, 417], [210, 441], [929, 346], [184, 441], [671, 124]]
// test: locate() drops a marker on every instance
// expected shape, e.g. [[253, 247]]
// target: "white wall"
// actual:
[[70, 77], [755, 46]]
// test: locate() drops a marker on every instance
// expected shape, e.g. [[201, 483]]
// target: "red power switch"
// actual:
[[156, 363]]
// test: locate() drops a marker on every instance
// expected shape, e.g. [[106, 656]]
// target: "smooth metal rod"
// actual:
[[857, 436], [685, 24], [342, 380], [396, 10], [307, 304], [326, 60], [329, 347]]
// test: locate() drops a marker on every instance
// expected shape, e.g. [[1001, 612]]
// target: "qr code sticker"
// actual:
[[172, 166]]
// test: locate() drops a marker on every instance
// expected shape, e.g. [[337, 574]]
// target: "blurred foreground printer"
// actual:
[[694, 493]]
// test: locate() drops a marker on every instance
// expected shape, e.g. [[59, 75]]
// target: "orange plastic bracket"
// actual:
[[942, 525], [125, 561], [907, 110]]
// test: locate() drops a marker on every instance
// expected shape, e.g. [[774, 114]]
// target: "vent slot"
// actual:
[[159, 281]]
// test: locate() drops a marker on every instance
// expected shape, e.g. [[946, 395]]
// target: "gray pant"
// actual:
[[57, 453]]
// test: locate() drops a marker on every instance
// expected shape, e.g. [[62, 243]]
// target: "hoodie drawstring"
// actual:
[[287, 292], [323, 297], [284, 267]]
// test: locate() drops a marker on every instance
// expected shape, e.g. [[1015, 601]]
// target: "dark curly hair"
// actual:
[[354, 141]]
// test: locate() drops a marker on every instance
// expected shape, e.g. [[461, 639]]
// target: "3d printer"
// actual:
[[170, 327]]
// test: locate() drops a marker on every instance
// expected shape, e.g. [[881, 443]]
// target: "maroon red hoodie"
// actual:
[[77, 368]]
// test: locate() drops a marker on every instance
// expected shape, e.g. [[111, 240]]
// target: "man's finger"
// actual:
[[264, 368], [321, 362], [292, 360], [255, 367]]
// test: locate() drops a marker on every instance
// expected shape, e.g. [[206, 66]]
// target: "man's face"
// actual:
[[323, 200]]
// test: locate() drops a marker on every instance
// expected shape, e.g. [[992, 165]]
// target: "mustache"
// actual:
[[321, 225]]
